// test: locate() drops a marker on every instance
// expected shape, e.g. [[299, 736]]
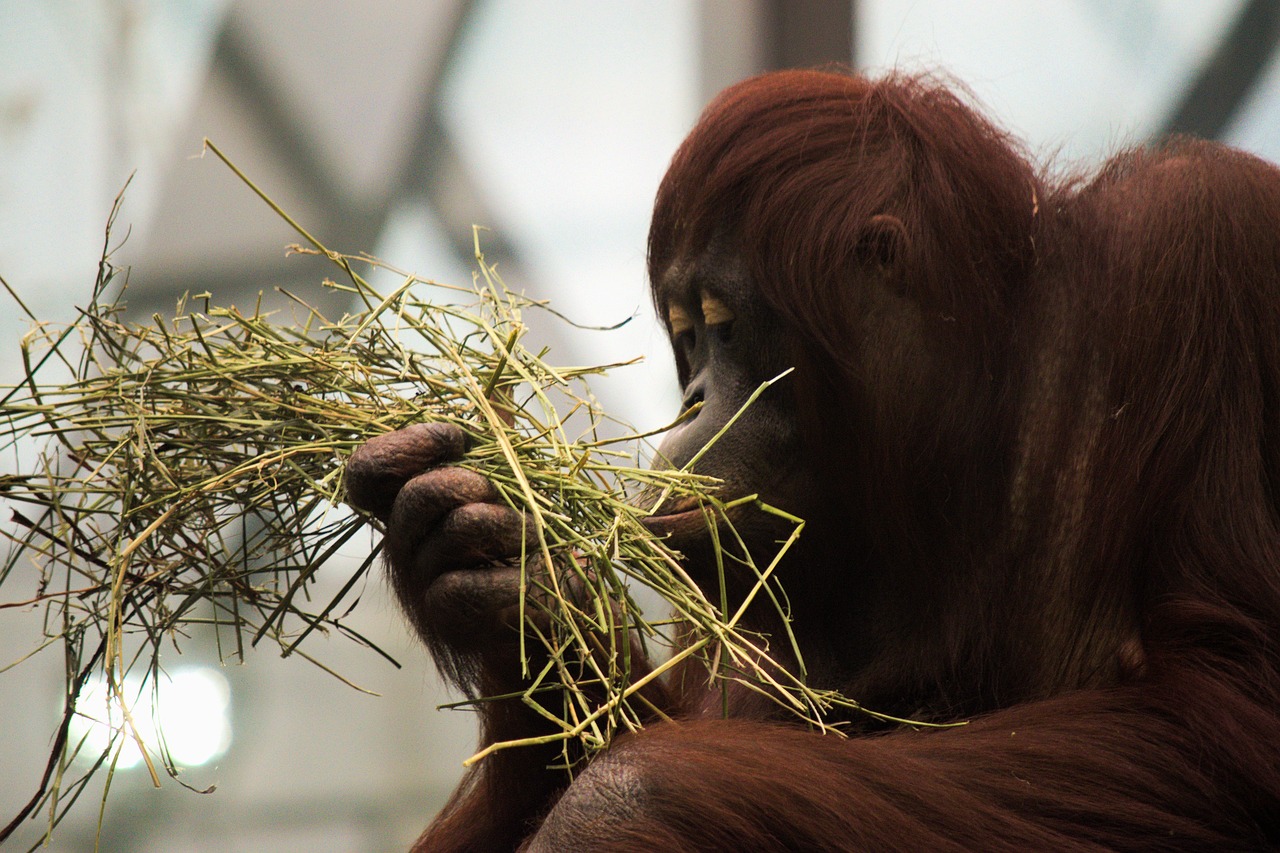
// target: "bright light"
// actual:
[[190, 714]]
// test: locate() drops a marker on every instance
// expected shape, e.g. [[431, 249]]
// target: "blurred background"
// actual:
[[394, 126]]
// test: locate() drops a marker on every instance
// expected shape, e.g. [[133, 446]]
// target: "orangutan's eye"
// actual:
[[679, 321], [715, 312]]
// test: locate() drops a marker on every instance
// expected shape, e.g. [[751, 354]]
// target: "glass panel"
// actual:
[[567, 121], [1077, 80], [1256, 127]]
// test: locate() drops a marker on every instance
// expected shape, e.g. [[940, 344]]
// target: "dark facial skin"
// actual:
[[726, 345]]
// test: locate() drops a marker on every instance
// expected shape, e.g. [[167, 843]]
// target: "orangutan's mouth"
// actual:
[[681, 518]]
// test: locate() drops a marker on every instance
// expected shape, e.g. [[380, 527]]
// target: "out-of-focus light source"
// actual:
[[190, 713]]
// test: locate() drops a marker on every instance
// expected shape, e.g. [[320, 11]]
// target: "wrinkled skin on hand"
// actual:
[[453, 546]]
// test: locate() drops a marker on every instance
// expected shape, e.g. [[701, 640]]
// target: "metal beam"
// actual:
[[808, 33], [740, 38], [1213, 99]]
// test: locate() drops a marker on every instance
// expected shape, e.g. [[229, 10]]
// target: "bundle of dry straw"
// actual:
[[193, 475]]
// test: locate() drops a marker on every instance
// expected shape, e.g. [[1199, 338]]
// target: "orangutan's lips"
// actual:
[[683, 517]]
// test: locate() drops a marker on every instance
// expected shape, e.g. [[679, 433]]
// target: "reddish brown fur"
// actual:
[[1054, 491], [783, 161]]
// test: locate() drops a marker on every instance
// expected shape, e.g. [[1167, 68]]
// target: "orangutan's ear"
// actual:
[[881, 242]]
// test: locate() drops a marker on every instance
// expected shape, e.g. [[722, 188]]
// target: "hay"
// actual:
[[193, 477]]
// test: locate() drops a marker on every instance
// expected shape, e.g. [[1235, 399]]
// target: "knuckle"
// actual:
[[379, 469], [463, 485], [468, 602], [440, 490], [449, 518], [482, 520], [474, 534], [428, 498]]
